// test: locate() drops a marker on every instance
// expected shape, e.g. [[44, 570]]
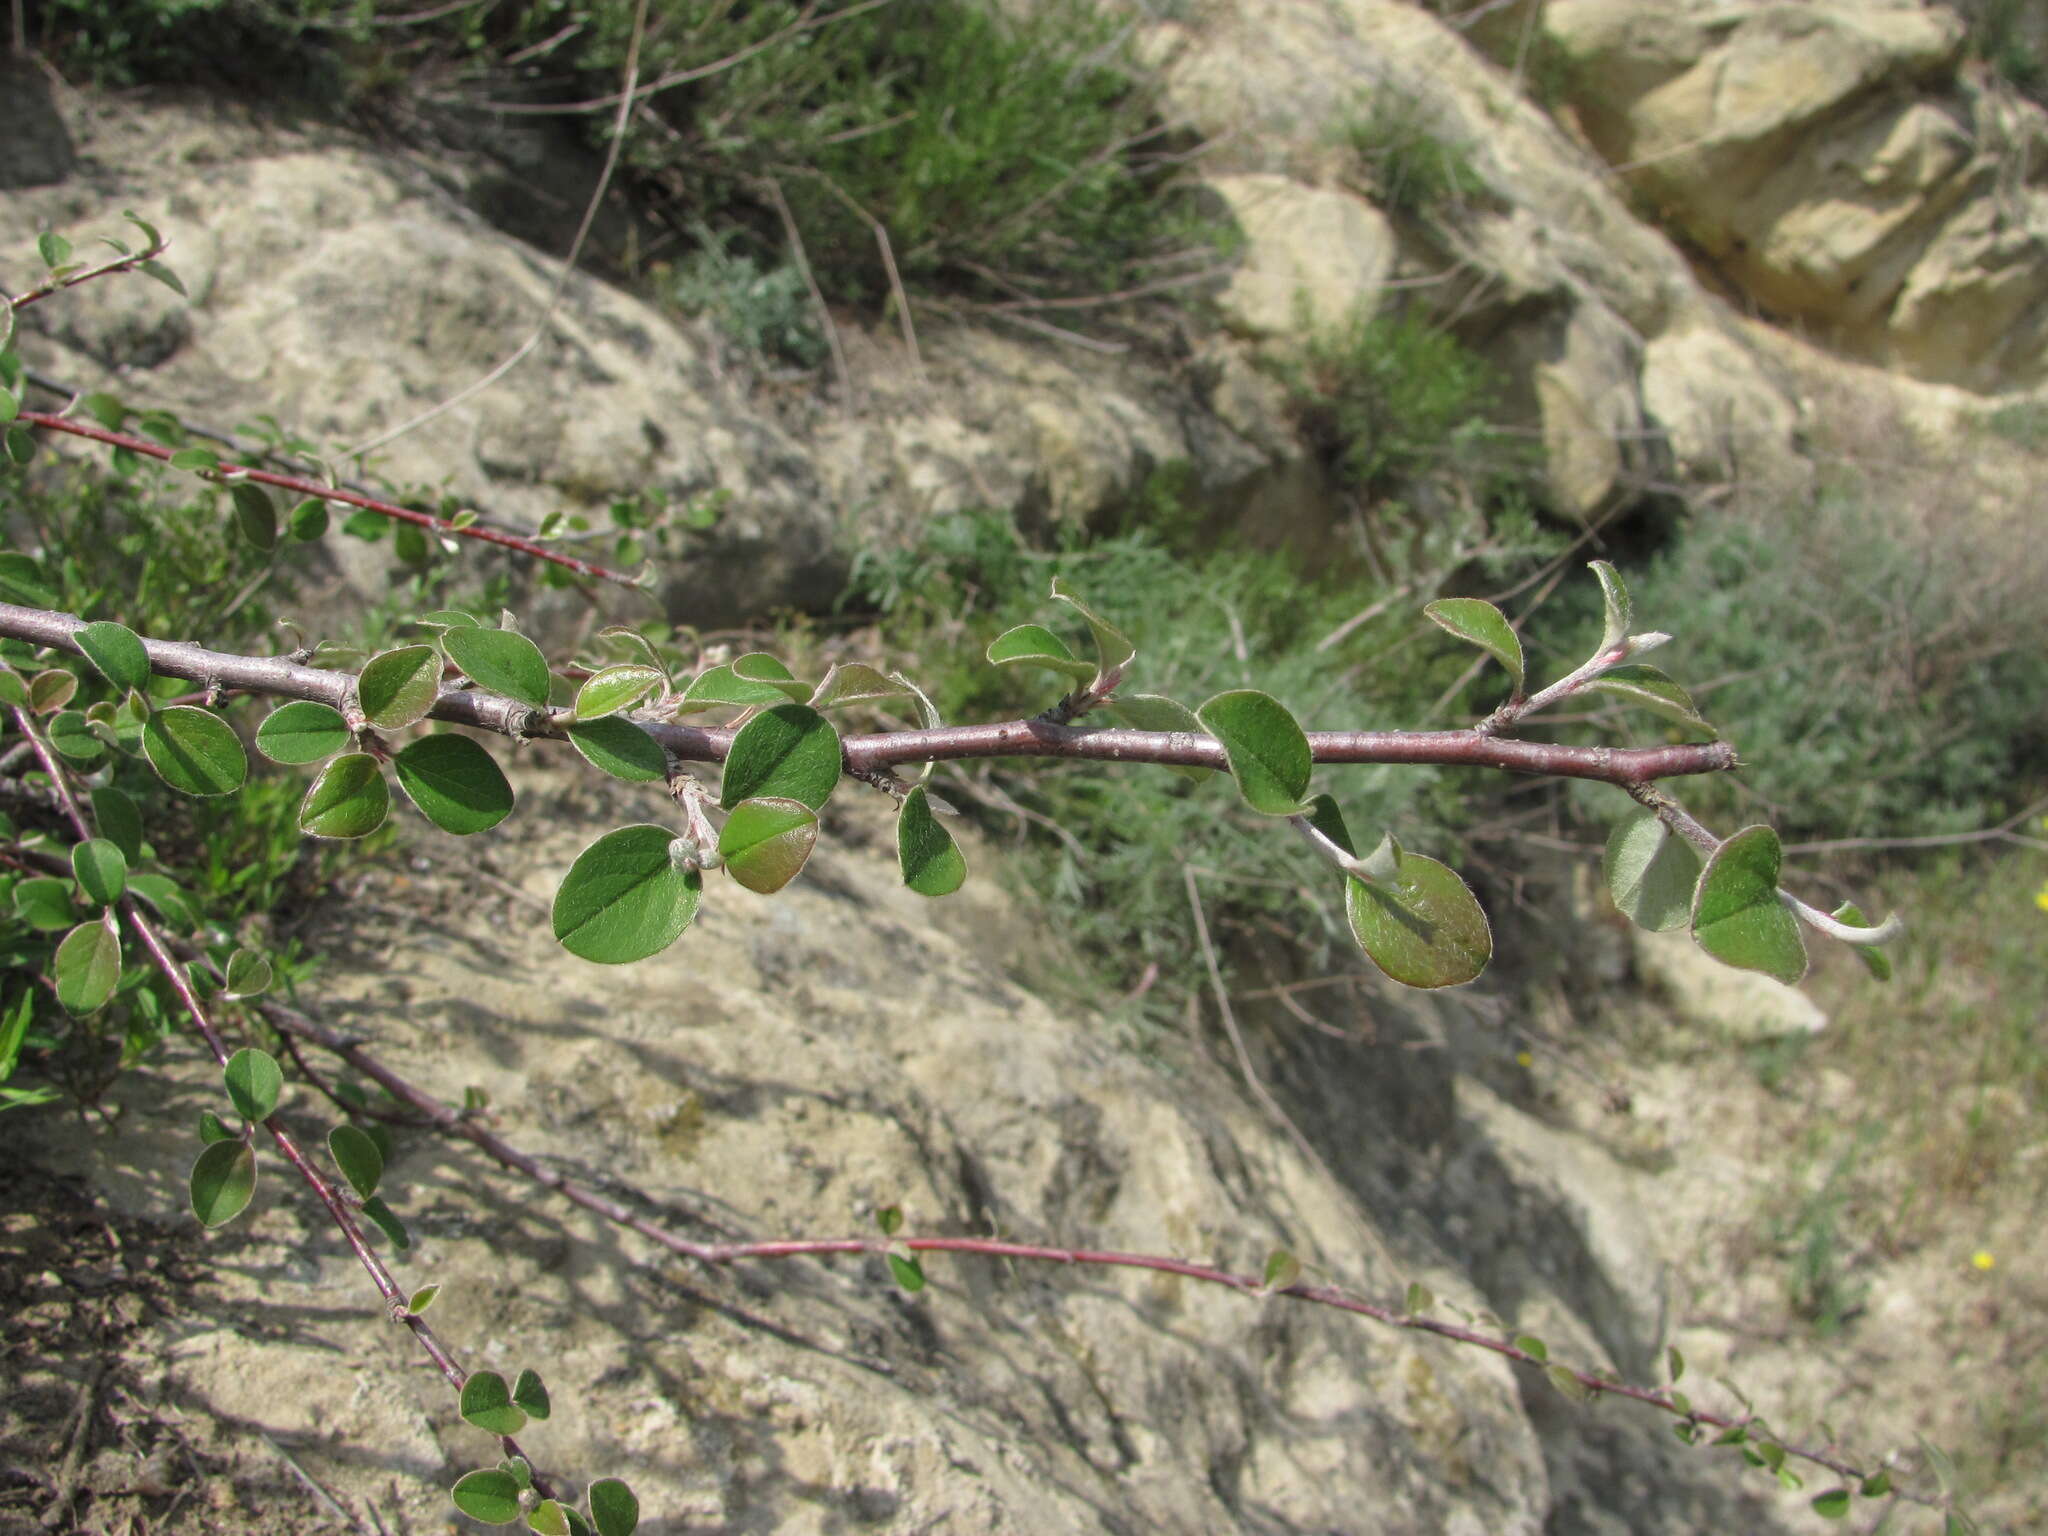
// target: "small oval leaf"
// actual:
[[1736, 914], [356, 1155], [302, 731], [765, 843], [931, 862], [852, 682], [194, 751], [1650, 872], [1647, 688], [1269, 755], [397, 688], [119, 822], [456, 784], [617, 746], [254, 1081], [248, 975], [789, 752], [502, 661], [255, 514], [87, 965], [1475, 620], [101, 870], [387, 1223], [624, 898], [1423, 927], [223, 1182], [489, 1495], [487, 1403], [1033, 645], [612, 689], [348, 799], [530, 1393], [613, 1508], [118, 653]]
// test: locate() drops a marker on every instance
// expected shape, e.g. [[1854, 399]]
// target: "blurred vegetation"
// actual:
[[1005, 154]]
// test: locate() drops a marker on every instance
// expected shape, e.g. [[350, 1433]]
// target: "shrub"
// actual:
[[1408, 165]]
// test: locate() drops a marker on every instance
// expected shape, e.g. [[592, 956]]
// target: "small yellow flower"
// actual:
[[1524, 1059], [1982, 1258], [2041, 898]]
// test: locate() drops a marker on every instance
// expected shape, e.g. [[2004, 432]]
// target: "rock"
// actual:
[[1841, 165], [1311, 256]]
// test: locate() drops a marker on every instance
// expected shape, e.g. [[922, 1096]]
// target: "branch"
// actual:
[[181, 984], [868, 754], [292, 1023], [299, 486]]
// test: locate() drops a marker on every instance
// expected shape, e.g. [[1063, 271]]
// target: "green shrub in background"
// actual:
[[1005, 153], [1409, 165], [1203, 621], [1889, 677]]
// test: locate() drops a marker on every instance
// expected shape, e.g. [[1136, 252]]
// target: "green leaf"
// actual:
[[851, 682], [301, 732], [1569, 1385], [932, 864], [890, 1219], [198, 460], [766, 842], [212, 1128], [71, 737], [348, 799], [223, 1182], [617, 746], [1736, 914], [87, 964], [613, 1509], [163, 893], [51, 689], [20, 444], [105, 409], [1877, 1485], [547, 1518], [308, 520], [501, 660], [118, 653], [1419, 1300], [13, 688], [624, 898], [120, 823], [22, 581], [1269, 755], [760, 668], [1282, 1270], [789, 752], [248, 975], [1422, 927], [487, 1403], [1651, 872], [1874, 959], [908, 1272], [1647, 688], [488, 1495], [1939, 1463], [1327, 819], [194, 751], [44, 903], [531, 1394], [1479, 622], [254, 1081], [1674, 1362], [456, 784], [422, 1298], [101, 870], [358, 1159], [53, 248], [1033, 645], [721, 685], [387, 1223], [611, 689], [1534, 1347], [1614, 596], [1832, 1505], [1113, 650], [10, 407], [255, 514], [397, 688]]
